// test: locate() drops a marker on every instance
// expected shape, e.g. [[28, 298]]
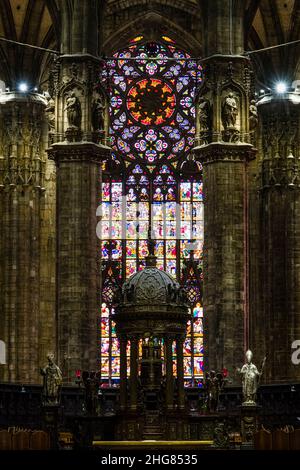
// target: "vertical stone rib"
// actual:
[[78, 276], [224, 251], [224, 151], [21, 187], [279, 320]]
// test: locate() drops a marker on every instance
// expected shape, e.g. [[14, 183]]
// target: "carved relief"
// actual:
[[22, 162], [280, 144], [75, 87]]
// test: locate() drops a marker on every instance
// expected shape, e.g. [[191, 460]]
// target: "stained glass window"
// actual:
[[152, 87]]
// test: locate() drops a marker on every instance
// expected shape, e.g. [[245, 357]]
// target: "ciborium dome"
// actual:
[[151, 301]]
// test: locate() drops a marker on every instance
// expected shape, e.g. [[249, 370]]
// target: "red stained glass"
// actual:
[[151, 102]]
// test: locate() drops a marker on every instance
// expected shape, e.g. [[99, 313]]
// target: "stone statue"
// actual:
[[50, 113], [129, 293], [253, 115], [172, 293], [229, 111], [98, 109], [91, 382], [250, 379], [204, 114], [52, 382], [73, 109], [214, 382]]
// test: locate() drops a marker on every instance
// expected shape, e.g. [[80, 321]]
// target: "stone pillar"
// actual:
[[78, 274], [134, 348], [169, 373], [180, 373], [279, 318], [123, 372], [23, 166], [224, 151], [78, 153]]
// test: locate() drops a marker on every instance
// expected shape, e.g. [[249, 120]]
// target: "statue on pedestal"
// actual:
[[73, 108], [229, 111], [250, 379], [91, 381], [214, 383], [98, 108], [253, 115], [52, 382], [204, 114], [50, 113]]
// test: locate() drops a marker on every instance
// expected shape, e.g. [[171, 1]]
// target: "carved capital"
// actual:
[[223, 103], [78, 152], [81, 103], [224, 152]]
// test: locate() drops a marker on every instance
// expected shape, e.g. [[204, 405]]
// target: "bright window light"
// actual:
[[23, 87], [281, 87]]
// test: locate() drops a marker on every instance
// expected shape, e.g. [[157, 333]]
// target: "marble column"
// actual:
[[180, 373], [79, 154], [169, 373], [123, 372], [224, 150], [134, 349], [29, 333], [276, 325]]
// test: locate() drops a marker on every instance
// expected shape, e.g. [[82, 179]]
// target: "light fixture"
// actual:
[[23, 87], [281, 87]]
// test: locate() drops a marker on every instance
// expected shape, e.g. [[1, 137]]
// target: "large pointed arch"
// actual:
[[154, 25]]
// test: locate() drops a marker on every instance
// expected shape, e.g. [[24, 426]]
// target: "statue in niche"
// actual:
[[73, 108], [253, 115], [52, 382], [204, 114], [98, 108], [50, 113], [250, 379], [229, 111]]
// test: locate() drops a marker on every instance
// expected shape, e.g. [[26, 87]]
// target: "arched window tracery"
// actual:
[[152, 87]]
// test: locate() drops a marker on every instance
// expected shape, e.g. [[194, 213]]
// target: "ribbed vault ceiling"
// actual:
[[268, 22]]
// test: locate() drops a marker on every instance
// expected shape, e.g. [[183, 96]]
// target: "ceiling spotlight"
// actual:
[[23, 87], [281, 87]]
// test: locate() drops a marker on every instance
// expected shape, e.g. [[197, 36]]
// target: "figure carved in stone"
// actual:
[[214, 383], [204, 114], [91, 382], [229, 111], [129, 293], [98, 108], [50, 113], [172, 293], [253, 115], [73, 109], [52, 382], [250, 379]]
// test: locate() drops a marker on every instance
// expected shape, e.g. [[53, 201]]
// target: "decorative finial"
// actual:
[[151, 258]]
